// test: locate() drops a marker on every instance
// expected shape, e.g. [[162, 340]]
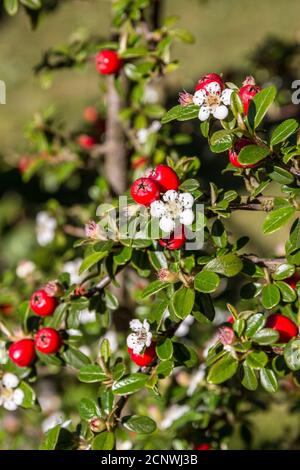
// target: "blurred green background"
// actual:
[[227, 33]]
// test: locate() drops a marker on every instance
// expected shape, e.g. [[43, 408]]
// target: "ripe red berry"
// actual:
[[230, 319], [174, 242], [143, 359], [234, 153], [90, 114], [108, 62], [207, 79], [22, 352], [144, 191], [42, 304], [286, 328], [165, 177], [47, 341], [203, 446], [247, 93], [292, 281], [86, 141]]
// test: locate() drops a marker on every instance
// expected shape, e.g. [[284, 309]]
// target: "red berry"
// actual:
[[86, 141], [22, 352], [42, 304], [203, 446], [47, 340], [174, 242], [108, 62], [90, 114], [234, 153], [292, 281], [144, 191], [24, 164], [207, 79], [286, 328], [230, 319], [165, 177], [247, 92], [143, 359]]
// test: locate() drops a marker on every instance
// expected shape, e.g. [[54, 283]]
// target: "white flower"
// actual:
[[10, 395], [174, 207], [172, 414], [144, 133], [53, 420], [25, 268], [45, 228], [213, 101], [124, 445], [86, 316], [72, 268], [141, 336]]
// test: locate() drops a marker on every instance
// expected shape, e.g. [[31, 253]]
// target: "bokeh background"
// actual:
[[233, 37]]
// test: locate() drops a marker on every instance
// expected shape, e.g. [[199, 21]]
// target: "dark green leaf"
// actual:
[[153, 288], [88, 409], [91, 373], [266, 336], [268, 380], [51, 438], [252, 154], [183, 302], [104, 441], [257, 359], [292, 354], [288, 294], [139, 424], [206, 281], [270, 296], [284, 130], [130, 384], [277, 218], [229, 265], [223, 369], [259, 105], [75, 358], [254, 324], [165, 350], [249, 380], [283, 271], [181, 113]]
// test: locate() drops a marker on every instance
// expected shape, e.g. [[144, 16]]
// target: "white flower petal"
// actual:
[[157, 209], [204, 113], [166, 224], [187, 200], [170, 196], [226, 96], [18, 396], [213, 87], [148, 340], [187, 217], [146, 325], [221, 112], [199, 97], [10, 405], [134, 343], [10, 380], [136, 325]]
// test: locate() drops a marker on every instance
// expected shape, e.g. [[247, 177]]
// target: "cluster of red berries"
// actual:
[[46, 340], [148, 189], [144, 359], [246, 93]]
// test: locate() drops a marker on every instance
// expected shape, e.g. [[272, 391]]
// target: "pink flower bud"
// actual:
[[226, 335], [185, 98]]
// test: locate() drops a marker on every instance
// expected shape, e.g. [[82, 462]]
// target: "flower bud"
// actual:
[[165, 275], [185, 98], [97, 425], [226, 335]]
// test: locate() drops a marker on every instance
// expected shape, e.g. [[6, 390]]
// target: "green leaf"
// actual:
[[51, 438], [277, 218], [257, 359], [292, 354], [283, 271], [111, 300], [254, 324], [139, 424], [11, 6], [75, 358], [249, 380], [259, 105], [123, 256], [221, 141], [189, 185], [288, 294], [55, 321], [29, 395], [206, 281], [181, 113], [223, 369], [266, 336], [153, 288], [164, 369], [283, 131], [88, 409], [183, 302], [229, 265], [252, 154], [294, 241], [184, 355], [218, 234], [281, 176], [91, 260], [105, 349], [104, 441], [206, 306], [239, 326], [32, 4], [268, 380], [270, 296], [130, 384], [165, 350], [91, 373]]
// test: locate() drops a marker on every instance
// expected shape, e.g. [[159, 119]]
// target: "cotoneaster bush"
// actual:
[[154, 380]]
